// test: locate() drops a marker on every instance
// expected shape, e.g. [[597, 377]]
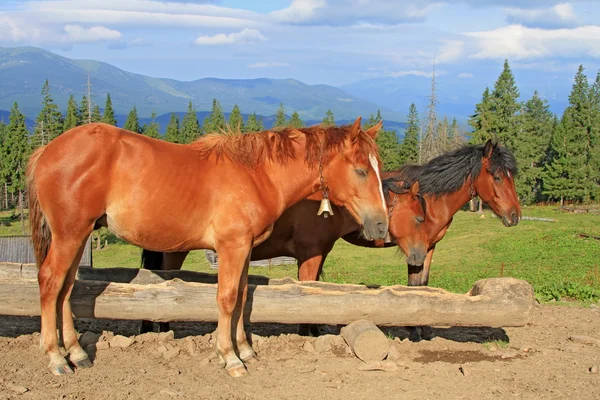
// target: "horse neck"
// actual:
[[292, 180], [441, 208]]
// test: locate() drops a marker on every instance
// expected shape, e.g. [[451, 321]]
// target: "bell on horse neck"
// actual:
[[325, 208]]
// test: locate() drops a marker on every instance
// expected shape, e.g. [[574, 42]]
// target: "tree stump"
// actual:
[[366, 340]]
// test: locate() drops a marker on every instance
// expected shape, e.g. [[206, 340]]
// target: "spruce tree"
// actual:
[[109, 113], [172, 132], [295, 121], [505, 105], [84, 115], [133, 123], [153, 128], [215, 121], [594, 135], [15, 153], [236, 121], [455, 138], [49, 122], [409, 149], [253, 124], [537, 124], [3, 160], [190, 129], [96, 115], [482, 120], [389, 150], [280, 119], [329, 119], [71, 115]]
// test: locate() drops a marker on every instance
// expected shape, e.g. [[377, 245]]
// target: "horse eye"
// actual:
[[361, 172], [420, 219], [497, 178]]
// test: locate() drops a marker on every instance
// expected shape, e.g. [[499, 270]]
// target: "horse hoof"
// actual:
[[251, 359], [60, 369], [237, 371], [83, 363]]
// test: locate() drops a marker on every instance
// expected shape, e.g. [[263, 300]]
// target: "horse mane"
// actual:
[[448, 172], [399, 185], [253, 149]]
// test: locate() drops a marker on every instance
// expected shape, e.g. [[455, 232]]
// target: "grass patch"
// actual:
[[552, 256]]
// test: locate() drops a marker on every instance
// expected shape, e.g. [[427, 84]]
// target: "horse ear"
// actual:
[[372, 131], [414, 188], [488, 149], [355, 129]]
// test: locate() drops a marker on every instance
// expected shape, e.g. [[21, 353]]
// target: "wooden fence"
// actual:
[[213, 259], [19, 249]]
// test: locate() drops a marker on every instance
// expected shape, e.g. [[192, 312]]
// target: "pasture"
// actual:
[[551, 256], [458, 363]]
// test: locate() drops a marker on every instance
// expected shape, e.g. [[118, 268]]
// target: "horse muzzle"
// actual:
[[511, 219], [375, 227], [416, 256]]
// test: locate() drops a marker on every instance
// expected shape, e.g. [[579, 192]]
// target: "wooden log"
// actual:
[[495, 302], [366, 340]]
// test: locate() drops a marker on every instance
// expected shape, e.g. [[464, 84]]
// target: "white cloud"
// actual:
[[465, 75], [559, 16], [263, 64], [15, 30], [452, 51], [245, 36], [353, 12], [519, 42], [80, 34], [398, 74]]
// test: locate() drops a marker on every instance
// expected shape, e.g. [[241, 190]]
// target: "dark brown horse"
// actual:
[[302, 234], [222, 192], [447, 183]]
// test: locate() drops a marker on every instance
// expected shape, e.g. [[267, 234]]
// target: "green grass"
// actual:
[[550, 255]]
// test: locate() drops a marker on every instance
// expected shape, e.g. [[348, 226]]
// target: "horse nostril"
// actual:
[[381, 227]]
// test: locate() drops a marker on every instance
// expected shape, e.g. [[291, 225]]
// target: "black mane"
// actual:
[[448, 172]]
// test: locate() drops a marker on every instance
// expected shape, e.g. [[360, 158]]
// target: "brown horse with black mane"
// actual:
[[222, 192], [447, 183], [302, 234]]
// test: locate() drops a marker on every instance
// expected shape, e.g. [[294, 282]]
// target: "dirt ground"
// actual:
[[540, 361]]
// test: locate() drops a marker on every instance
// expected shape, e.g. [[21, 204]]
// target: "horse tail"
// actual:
[[41, 235], [152, 259]]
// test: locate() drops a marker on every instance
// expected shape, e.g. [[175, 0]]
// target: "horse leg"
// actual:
[[245, 351], [77, 355], [310, 269], [59, 267], [232, 268], [419, 276]]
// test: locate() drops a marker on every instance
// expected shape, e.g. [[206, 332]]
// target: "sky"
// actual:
[[333, 42]]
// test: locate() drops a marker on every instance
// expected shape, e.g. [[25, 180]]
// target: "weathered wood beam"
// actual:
[[496, 302]]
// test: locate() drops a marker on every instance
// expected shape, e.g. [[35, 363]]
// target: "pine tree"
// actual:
[[96, 115], [254, 124], [49, 122], [295, 121], [109, 113], [373, 120], [532, 147], [190, 128], [409, 149], [389, 150], [280, 119], [329, 119], [15, 152], [594, 140], [153, 128], [3, 160], [482, 120], [71, 115], [172, 133], [133, 123], [236, 121], [442, 136], [505, 105], [84, 115], [455, 139]]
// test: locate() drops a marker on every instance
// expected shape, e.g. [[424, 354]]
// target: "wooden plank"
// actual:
[[496, 302]]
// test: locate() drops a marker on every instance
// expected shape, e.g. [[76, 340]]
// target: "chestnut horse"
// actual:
[[222, 192], [302, 234], [447, 183]]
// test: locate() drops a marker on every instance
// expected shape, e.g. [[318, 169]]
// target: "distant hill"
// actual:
[[23, 71]]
